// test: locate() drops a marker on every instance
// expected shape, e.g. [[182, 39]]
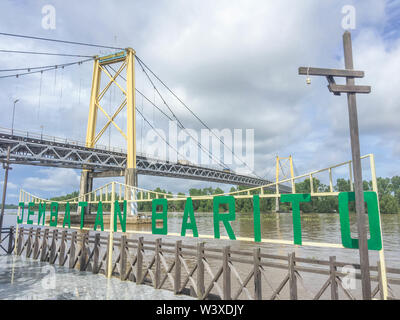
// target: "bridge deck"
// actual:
[[37, 151]]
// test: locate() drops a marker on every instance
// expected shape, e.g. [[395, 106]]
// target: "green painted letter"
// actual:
[[256, 218], [122, 220], [99, 217], [224, 217], [30, 213], [159, 215], [53, 214], [189, 212], [375, 241], [41, 213], [82, 204], [22, 206], [67, 216], [296, 199]]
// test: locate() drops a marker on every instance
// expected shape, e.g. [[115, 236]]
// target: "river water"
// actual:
[[315, 228]]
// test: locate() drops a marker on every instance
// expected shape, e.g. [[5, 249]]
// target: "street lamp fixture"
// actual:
[[12, 124]]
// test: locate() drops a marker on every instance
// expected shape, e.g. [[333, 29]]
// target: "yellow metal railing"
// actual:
[[124, 191]]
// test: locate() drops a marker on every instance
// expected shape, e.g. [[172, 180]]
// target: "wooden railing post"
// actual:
[[43, 254], [139, 263], [72, 250], [20, 240], [122, 260], [226, 273], [257, 274], [380, 282], [96, 252], [83, 258], [200, 270], [53, 247], [11, 240], [292, 277], [36, 244], [29, 243], [61, 258], [177, 278], [332, 271], [157, 263]]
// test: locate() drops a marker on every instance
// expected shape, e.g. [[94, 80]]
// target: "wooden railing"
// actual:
[[195, 269], [7, 240]]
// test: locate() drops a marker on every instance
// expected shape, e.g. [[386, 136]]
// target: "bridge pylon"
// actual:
[[126, 61], [281, 163]]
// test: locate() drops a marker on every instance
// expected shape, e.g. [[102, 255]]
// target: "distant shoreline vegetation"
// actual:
[[9, 206], [388, 190]]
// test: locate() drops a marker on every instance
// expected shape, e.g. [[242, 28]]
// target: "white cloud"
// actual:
[[10, 185], [234, 63], [52, 179]]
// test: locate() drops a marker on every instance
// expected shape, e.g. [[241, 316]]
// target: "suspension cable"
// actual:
[[179, 122], [58, 40], [46, 53], [223, 165], [197, 117], [43, 69], [148, 122]]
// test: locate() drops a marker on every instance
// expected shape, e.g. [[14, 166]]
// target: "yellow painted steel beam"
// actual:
[[111, 78], [381, 252], [109, 118], [292, 175], [92, 119], [131, 109], [110, 121], [103, 92], [113, 58]]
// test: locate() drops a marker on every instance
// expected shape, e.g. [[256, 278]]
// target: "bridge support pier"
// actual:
[[131, 179], [86, 185]]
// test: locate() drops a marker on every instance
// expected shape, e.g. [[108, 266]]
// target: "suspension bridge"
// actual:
[[25, 148]]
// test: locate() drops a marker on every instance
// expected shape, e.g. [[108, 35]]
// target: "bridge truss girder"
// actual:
[[32, 151]]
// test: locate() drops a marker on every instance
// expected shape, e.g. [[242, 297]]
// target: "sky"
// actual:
[[235, 64]]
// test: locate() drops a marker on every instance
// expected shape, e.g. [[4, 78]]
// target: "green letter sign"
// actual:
[[375, 242], [295, 199], [224, 217], [31, 212], [122, 220], [22, 206], [53, 214], [159, 215], [192, 224], [256, 218], [99, 217]]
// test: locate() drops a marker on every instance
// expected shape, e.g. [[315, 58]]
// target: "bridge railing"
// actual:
[[135, 194], [45, 137]]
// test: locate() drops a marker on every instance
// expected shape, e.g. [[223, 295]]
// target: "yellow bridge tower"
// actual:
[[127, 60]]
